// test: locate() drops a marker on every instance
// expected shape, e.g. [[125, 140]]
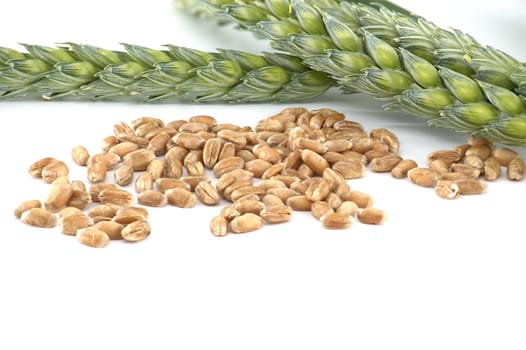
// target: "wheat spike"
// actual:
[[90, 72], [446, 87]]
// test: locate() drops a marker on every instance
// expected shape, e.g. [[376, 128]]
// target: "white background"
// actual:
[[437, 275]]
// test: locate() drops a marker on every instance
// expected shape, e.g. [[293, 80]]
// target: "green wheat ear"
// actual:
[[86, 71], [416, 67]]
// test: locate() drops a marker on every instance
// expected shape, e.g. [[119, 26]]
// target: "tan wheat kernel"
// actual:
[[246, 223], [136, 231], [371, 216], [38, 217], [92, 237], [219, 226]]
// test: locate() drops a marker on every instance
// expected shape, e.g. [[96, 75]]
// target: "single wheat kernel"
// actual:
[[164, 184], [454, 176], [371, 216], [276, 214], [318, 190], [505, 155], [483, 151], [103, 210], [123, 175], [38, 217], [54, 170], [80, 155], [302, 143], [270, 200], [362, 144], [338, 146], [116, 197], [92, 237], [122, 129], [492, 169], [136, 123], [229, 213], [70, 224], [246, 223], [336, 221], [176, 153], [110, 160], [158, 144], [299, 203], [211, 150], [143, 182], [123, 148], [401, 169], [348, 208], [219, 226], [315, 161], [139, 159], [363, 200], [334, 200], [181, 198], [267, 153], [207, 193], [152, 198], [108, 142], [448, 156], [195, 169], [136, 211], [471, 186], [387, 137], [69, 211], [111, 228], [228, 150], [254, 206], [147, 130], [173, 168], [204, 119], [227, 165], [156, 168], [466, 169], [247, 190], [26, 205], [58, 195], [188, 140], [80, 197], [245, 154], [258, 167], [350, 169], [425, 177], [136, 231], [385, 164], [373, 154], [474, 161], [516, 169], [439, 165], [447, 189], [97, 172], [320, 208]]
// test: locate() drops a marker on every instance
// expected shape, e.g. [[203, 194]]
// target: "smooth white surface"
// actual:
[[436, 275]]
